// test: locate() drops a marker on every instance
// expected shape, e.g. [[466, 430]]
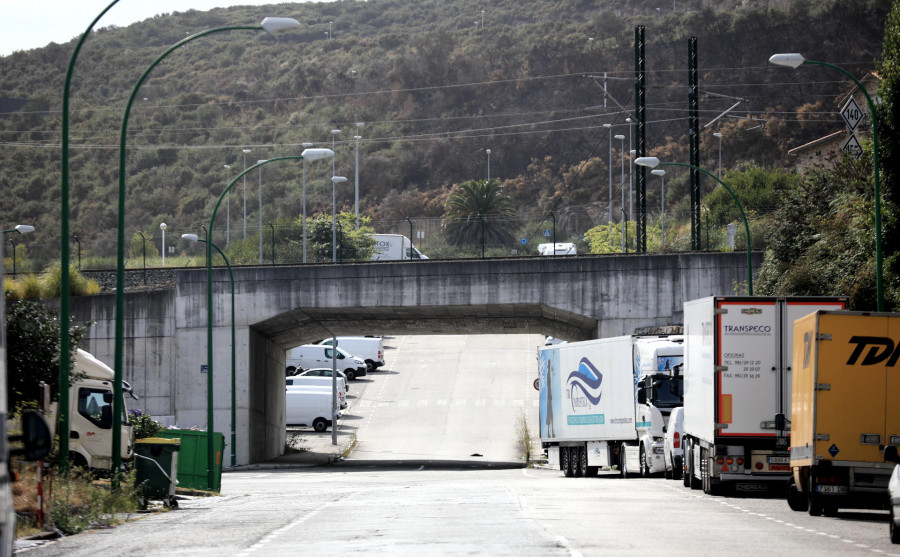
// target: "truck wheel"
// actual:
[[815, 501], [573, 462], [350, 373], [582, 462], [623, 462], [795, 498], [693, 481], [564, 460], [370, 366], [895, 532], [320, 424], [645, 467]]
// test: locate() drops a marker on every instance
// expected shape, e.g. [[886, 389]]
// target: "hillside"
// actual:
[[435, 84]]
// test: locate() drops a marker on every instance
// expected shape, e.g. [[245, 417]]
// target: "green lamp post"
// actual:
[[794, 60], [269, 24], [653, 162]]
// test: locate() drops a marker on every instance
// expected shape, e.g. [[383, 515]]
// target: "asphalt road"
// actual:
[[413, 487]]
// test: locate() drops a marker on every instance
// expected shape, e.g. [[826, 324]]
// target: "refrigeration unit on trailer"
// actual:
[[737, 389], [846, 416], [605, 403]]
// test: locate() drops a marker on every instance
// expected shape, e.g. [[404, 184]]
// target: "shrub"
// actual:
[[144, 425]]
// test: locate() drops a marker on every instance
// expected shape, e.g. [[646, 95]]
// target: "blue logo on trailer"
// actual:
[[584, 385]]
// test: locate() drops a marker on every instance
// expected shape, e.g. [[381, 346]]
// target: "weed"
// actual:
[[80, 502], [293, 443], [523, 434]]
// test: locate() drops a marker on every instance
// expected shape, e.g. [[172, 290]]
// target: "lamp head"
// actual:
[[315, 154], [791, 60], [227, 166], [163, 226], [717, 134], [337, 179], [275, 24], [24, 228], [246, 151], [190, 237], [260, 161], [306, 145], [360, 124], [658, 172], [335, 132], [607, 126], [649, 162], [619, 136]]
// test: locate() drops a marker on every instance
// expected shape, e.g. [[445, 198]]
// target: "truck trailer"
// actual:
[[605, 403], [737, 389], [846, 417]]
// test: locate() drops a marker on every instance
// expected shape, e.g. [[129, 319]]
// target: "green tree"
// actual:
[[479, 198], [889, 143], [352, 244], [32, 335]]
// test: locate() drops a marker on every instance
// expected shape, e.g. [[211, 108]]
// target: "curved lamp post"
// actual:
[[334, 181], [195, 238], [64, 254], [21, 229], [653, 162], [269, 24], [794, 60], [210, 444], [310, 155]]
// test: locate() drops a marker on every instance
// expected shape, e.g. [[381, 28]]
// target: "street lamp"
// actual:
[[209, 321], [662, 196], [228, 210], [621, 139], [410, 238], [488, 151], [719, 135], [609, 140], [310, 155], [144, 253], [630, 173], [482, 238], [22, 229], [334, 181], [269, 24], [653, 162], [333, 135], [795, 60], [245, 193], [195, 238], [357, 137], [259, 162], [272, 226], [162, 228]]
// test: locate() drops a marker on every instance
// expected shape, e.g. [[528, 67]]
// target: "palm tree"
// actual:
[[476, 206]]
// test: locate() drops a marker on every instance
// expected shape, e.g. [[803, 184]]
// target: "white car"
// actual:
[[672, 451], [894, 493]]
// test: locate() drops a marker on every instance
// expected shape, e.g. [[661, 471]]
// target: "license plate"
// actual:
[[748, 487], [778, 459], [779, 468], [832, 489]]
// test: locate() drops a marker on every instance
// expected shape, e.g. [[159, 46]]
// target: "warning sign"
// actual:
[[852, 147]]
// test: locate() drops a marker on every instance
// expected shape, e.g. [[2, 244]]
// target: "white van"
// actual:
[[558, 248], [342, 395], [368, 349], [317, 377], [309, 408], [311, 356]]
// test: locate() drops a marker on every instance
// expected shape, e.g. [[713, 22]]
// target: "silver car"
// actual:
[[894, 493]]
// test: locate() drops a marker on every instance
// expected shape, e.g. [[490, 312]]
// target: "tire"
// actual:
[[796, 499], [645, 468], [582, 463], [816, 508], [685, 473], [669, 472], [894, 531], [623, 462], [370, 366], [350, 373], [693, 481], [320, 425], [829, 510], [677, 468], [564, 460], [573, 462]]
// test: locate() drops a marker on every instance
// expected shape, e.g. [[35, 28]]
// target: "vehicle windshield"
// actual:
[[668, 393]]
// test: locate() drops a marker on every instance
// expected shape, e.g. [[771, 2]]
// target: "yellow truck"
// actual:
[[845, 404]]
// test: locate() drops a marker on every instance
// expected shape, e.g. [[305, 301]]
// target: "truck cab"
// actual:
[[659, 391]]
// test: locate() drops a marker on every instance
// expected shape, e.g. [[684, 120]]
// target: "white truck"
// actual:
[[91, 422], [559, 248], [394, 247], [737, 389], [605, 403]]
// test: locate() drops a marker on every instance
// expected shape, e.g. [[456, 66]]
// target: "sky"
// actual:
[[27, 24]]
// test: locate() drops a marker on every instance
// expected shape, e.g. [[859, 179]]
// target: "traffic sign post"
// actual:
[[852, 114]]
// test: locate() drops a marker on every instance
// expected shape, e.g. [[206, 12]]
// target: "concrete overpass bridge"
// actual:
[[276, 308]]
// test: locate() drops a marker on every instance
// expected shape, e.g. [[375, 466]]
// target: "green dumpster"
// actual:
[[156, 469], [192, 468]]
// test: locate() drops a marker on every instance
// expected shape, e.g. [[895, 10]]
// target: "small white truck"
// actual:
[[737, 389], [605, 403], [394, 247], [91, 421]]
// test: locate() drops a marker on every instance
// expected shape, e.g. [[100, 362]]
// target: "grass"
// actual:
[[523, 434]]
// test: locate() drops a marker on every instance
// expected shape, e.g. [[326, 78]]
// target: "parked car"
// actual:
[[894, 493], [370, 349], [317, 377], [312, 356], [309, 407], [672, 451]]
